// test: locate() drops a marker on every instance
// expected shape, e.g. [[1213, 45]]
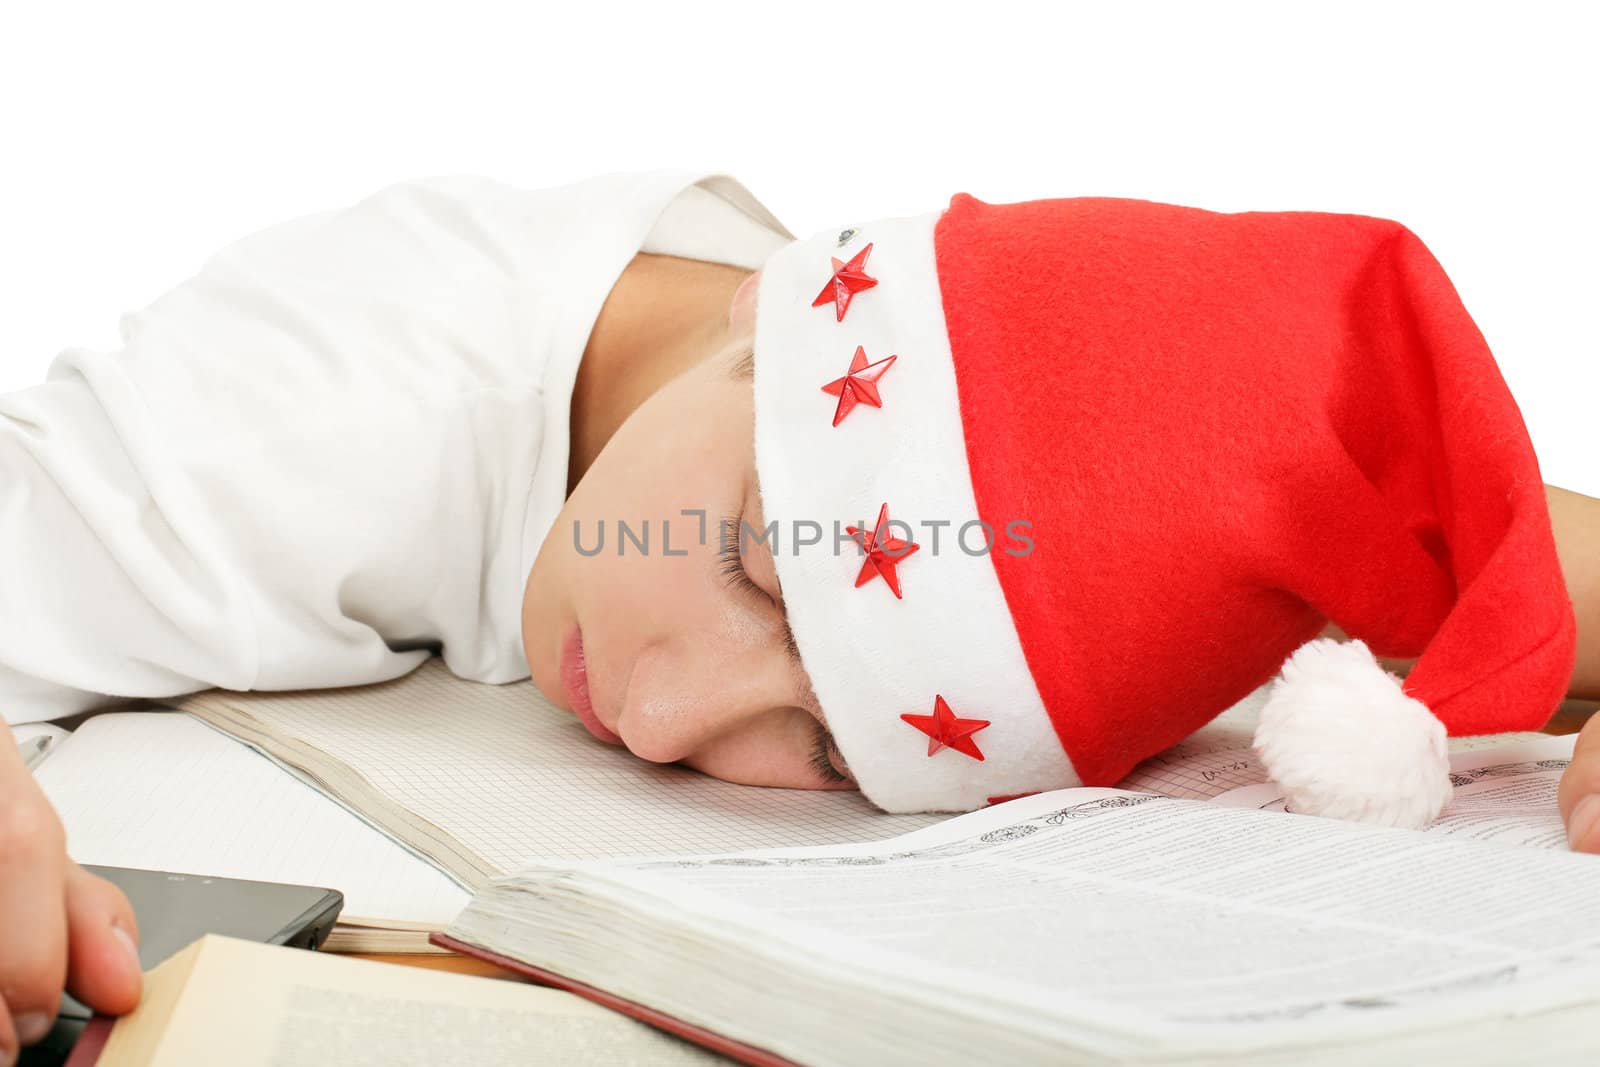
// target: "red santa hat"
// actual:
[[1089, 470]]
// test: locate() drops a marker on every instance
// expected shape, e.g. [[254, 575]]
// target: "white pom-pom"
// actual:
[[1343, 740]]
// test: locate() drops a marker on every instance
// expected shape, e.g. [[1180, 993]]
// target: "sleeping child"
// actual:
[[947, 508]]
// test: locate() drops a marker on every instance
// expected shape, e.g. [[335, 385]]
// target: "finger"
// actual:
[[8, 1040], [1578, 795], [33, 961], [102, 960], [1582, 776]]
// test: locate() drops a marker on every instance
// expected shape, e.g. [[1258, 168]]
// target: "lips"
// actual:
[[575, 680]]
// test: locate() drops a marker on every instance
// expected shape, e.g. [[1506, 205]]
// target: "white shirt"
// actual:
[[335, 448]]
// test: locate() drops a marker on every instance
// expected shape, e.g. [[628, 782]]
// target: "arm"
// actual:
[[202, 506], [1576, 519], [244, 495], [104, 596]]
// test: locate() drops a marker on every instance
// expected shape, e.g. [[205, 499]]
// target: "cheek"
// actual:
[[662, 461], [771, 751], [655, 469], [687, 446]]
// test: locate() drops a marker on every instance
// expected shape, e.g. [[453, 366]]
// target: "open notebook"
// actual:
[[126, 784], [477, 778], [481, 777], [163, 791]]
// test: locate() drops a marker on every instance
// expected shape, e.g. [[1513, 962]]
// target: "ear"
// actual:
[[742, 309]]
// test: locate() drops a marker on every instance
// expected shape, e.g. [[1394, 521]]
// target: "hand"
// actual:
[[1579, 794], [59, 925]]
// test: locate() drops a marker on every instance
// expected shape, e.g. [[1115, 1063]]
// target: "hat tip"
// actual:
[[1341, 737]]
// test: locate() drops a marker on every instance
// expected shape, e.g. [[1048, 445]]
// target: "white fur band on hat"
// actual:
[[872, 657]]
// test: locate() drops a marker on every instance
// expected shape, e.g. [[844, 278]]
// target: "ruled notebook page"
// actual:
[[509, 777], [162, 791]]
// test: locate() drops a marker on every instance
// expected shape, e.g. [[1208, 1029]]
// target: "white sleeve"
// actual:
[[306, 466], [98, 597]]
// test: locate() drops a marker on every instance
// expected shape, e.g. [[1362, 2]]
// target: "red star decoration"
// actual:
[[884, 552], [848, 280], [945, 730], [1002, 798], [859, 385]]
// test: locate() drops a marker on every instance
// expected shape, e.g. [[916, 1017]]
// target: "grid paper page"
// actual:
[[488, 776], [161, 791], [1209, 762], [510, 777]]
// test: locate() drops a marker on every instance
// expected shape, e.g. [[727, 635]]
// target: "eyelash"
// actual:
[[820, 761], [731, 562]]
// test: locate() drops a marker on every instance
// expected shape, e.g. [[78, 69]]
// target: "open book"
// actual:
[[224, 1001], [1099, 926]]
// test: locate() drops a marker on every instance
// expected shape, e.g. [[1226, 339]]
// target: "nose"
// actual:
[[684, 694]]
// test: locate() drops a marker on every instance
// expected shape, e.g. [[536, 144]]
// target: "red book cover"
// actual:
[[756, 1057], [86, 1050]]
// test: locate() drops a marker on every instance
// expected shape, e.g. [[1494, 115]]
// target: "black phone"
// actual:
[[175, 909]]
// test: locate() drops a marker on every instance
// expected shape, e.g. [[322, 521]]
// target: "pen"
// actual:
[[34, 748]]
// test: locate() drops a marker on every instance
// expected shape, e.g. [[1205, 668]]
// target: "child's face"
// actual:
[[682, 643]]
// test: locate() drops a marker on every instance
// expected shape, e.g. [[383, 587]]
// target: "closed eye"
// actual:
[[730, 561], [824, 758]]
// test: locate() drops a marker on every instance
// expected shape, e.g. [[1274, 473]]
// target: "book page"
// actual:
[[1504, 793], [1217, 758], [1073, 913], [492, 775], [161, 791], [251, 1005]]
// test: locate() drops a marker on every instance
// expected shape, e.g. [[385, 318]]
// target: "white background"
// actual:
[[138, 138]]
